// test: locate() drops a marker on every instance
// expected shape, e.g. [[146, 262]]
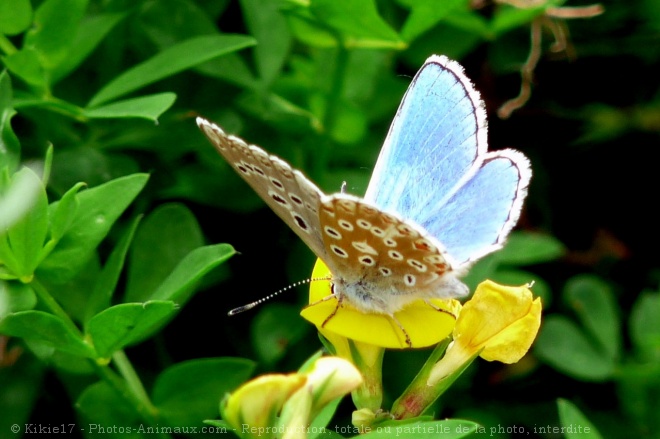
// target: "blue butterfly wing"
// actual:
[[434, 168], [437, 134], [479, 215]]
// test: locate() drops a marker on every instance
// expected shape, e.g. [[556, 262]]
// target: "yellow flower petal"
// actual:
[[296, 415], [499, 323], [328, 379], [256, 403], [331, 378], [425, 326], [501, 320]]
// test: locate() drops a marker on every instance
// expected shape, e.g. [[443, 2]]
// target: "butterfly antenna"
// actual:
[[249, 306]]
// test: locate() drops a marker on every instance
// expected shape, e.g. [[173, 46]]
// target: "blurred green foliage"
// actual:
[[103, 239]]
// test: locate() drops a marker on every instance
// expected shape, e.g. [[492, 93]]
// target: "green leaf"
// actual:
[[562, 345], [10, 148], [364, 82], [169, 62], [123, 324], [15, 16], [50, 103], [180, 398], [165, 237], [54, 29], [21, 245], [645, 326], [507, 17], [179, 285], [94, 166], [357, 23], [328, 434], [471, 22], [324, 417], [90, 33], [98, 210], [447, 429], [109, 277], [47, 329], [459, 35], [64, 213], [231, 68], [68, 363], [26, 65], [305, 28], [278, 111], [275, 329], [101, 405], [74, 294], [651, 12], [48, 164], [637, 391], [525, 248], [192, 19], [308, 365], [575, 424], [426, 14], [202, 184], [146, 107], [269, 27], [25, 191], [592, 300], [195, 20], [15, 297], [350, 123]]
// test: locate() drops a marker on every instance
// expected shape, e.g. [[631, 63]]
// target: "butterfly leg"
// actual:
[[340, 299], [429, 303], [405, 333]]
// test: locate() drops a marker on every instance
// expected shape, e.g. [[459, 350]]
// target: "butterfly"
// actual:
[[437, 200]]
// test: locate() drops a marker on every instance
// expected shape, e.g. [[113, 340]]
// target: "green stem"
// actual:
[[128, 385], [125, 390], [132, 380], [419, 395], [53, 306], [369, 395]]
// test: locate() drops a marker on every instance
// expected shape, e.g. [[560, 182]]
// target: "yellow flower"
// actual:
[[328, 378], [331, 378], [499, 323], [425, 326], [253, 408], [283, 406]]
